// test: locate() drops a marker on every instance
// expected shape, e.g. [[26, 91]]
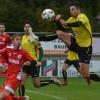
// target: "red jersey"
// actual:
[[5, 39], [15, 59]]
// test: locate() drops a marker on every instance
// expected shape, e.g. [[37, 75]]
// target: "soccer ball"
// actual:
[[48, 14]]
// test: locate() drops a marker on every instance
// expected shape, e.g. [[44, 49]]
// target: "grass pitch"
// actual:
[[77, 89]]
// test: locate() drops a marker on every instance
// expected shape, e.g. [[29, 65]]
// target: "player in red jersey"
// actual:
[[15, 58], [5, 40]]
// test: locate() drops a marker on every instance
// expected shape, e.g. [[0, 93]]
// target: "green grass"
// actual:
[[76, 90]]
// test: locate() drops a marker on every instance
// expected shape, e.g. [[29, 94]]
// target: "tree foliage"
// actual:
[[14, 12]]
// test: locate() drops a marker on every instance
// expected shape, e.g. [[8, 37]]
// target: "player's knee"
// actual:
[[63, 69], [36, 82], [36, 85], [86, 75]]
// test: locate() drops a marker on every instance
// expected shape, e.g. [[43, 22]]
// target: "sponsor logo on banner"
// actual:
[[48, 68], [54, 68], [54, 47]]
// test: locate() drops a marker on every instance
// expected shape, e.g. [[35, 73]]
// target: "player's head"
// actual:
[[27, 25], [17, 39], [2, 28], [74, 9]]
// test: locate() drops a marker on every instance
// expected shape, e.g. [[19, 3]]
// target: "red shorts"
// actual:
[[11, 84]]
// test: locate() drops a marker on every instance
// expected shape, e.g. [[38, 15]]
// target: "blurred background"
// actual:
[[14, 12]]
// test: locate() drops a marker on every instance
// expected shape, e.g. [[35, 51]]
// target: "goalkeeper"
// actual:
[[30, 43]]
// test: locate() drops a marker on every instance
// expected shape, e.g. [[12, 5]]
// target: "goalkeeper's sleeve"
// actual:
[[41, 53]]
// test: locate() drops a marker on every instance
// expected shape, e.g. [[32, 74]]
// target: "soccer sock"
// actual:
[[64, 73], [19, 90], [94, 77], [22, 90], [46, 82]]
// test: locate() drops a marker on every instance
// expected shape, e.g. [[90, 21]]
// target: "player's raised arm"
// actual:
[[60, 22]]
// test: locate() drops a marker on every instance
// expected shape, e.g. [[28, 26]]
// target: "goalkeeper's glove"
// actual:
[[32, 36]]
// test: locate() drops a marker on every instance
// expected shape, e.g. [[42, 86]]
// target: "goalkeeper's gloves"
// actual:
[[32, 36]]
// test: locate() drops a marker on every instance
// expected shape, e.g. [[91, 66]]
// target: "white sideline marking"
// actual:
[[49, 95]]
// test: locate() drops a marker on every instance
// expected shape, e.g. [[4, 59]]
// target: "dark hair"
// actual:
[[15, 35], [76, 4], [2, 23], [28, 22]]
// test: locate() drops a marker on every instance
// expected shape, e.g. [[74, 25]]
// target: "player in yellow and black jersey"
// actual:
[[72, 59], [82, 43]]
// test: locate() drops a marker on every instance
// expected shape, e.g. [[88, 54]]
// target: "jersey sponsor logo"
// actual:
[[14, 61]]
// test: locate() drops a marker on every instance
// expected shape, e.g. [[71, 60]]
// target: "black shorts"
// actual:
[[33, 71], [75, 63], [84, 53]]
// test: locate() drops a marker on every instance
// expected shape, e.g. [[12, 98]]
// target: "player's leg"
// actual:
[[19, 90], [66, 65], [77, 65], [26, 70], [84, 69], [94, 77], [22, 86], [40, 83], [65, 37], [9, 88], [5, 95], [84, 54]]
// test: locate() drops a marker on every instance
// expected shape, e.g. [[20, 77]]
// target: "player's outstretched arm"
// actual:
[[48, 37]]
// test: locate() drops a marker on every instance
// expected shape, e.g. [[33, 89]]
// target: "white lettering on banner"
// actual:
[[71, 72], [54, 45], [59, 47], [14, 61]]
